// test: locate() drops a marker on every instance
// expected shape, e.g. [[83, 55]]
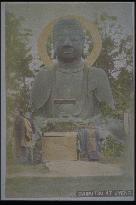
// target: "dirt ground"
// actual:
[[58, 187], [65, 169], [64, 179]]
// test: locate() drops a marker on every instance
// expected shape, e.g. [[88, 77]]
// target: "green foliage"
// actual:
[[116, 48], [105, 17], [18, 57], [17, 53], [107, 111], [112, 148], [122, 89], [10, 155]]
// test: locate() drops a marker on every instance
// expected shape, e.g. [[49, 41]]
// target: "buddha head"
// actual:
[[68, 40]]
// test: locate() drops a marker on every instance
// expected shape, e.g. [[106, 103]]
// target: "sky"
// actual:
[[38, 15]]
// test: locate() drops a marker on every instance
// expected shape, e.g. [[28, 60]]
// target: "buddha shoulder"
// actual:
[[98, 81], [95, 77], [41, 87], [44, 73], [98, 73]]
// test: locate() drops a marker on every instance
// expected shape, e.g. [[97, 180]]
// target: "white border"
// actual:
[[76, 199], [47, 2], [3, 104], [3, 111]]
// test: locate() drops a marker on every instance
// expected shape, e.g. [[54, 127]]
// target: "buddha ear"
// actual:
[[83, 51], [84, 40], [54, 54], [54, 51]]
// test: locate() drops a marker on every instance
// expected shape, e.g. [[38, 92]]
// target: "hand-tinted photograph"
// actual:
[[67, 101]]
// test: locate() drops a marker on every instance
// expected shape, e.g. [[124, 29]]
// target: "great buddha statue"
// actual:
[[70, 89]]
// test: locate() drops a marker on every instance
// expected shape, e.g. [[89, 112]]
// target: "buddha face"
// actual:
[[68, 38]]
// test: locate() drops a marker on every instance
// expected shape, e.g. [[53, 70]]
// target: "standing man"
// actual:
[[23, 138]]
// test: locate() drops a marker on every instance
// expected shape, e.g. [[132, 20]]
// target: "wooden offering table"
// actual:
[[59, 146]]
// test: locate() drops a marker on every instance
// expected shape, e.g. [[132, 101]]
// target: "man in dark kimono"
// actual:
[[22, 151]]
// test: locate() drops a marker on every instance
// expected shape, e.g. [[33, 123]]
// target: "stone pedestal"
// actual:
[[59, 146]]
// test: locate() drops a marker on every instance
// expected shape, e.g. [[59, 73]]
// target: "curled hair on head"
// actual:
[[67, 24]]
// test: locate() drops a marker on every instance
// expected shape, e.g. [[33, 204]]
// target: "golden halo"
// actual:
[[42, 41]]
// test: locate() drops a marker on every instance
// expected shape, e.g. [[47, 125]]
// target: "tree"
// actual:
[[18, 57], [117, 60]]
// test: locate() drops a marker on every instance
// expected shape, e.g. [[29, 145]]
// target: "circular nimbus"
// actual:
[[87, 25]]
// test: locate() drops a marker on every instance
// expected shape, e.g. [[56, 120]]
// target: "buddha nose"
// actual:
[[67, 42]]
